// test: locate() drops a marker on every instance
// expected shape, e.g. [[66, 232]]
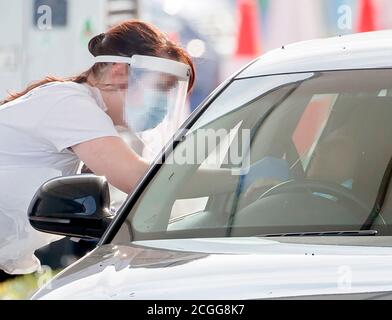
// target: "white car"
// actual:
[[302, 210]]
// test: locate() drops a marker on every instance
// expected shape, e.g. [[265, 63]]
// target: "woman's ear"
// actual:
[[118, 73], [119, 70]]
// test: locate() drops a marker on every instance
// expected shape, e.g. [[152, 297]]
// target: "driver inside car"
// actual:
[[333, 160]]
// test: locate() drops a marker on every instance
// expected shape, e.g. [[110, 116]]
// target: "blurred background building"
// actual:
[[221, 35]]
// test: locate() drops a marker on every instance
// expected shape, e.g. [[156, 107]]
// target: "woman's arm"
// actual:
[[113, 158]]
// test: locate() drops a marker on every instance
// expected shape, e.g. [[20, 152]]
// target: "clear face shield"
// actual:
[[152, 89]]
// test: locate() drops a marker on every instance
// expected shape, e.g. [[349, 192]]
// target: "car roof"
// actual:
[[356, 51]]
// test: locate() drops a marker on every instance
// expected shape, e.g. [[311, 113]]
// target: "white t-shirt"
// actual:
[[36, 131]]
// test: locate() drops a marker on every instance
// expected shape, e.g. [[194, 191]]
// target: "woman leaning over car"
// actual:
[[48, 129]]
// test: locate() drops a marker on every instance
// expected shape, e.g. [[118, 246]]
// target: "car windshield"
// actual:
[[282, 154]]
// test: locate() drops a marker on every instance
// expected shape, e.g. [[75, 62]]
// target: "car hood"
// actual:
[[231, 268]]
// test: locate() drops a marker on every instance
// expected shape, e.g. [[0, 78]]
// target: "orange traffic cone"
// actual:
[[367, 16], [248, 41]]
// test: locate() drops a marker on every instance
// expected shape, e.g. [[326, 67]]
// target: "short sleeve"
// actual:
[[73, 120]]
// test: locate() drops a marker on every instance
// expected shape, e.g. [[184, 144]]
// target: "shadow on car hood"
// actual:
[[242, 268]]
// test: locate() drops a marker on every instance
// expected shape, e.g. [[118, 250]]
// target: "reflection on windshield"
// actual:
[[241, 93], [318, 160]]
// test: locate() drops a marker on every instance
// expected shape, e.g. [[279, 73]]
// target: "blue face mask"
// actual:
[[151, 114]]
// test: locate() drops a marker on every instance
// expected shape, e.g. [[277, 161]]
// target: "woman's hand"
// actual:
[[263, 175]]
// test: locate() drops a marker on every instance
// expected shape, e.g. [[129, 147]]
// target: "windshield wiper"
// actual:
[[322, 234]]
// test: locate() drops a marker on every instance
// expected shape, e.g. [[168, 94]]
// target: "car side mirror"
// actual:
[[75, 206]]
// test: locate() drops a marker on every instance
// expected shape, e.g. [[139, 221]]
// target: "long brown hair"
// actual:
[[125, 39]]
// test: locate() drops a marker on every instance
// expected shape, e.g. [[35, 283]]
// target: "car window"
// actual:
[[311, 125], [241, 93], [309, 155]]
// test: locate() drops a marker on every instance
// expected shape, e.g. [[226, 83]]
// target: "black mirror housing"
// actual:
[[75, 206]]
